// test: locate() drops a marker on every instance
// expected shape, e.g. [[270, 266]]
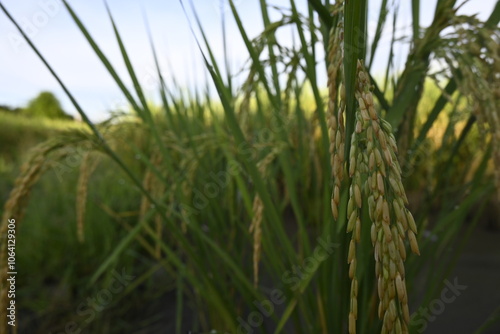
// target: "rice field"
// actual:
[[278, 206]]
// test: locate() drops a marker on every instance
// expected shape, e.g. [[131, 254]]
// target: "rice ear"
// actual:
[[257, 209], [31, 171], [88, 165], [391, 221], [151, 184]]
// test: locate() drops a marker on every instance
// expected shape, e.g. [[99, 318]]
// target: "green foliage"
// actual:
[[46, 105], [200, 172]]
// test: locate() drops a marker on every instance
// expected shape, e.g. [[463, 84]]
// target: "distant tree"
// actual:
[[11, 110], [46, 105], [4, 107]]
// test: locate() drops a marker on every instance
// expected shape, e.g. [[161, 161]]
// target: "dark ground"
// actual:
[[479, 270]]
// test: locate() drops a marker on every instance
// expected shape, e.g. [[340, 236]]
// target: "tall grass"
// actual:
[[241, 217]]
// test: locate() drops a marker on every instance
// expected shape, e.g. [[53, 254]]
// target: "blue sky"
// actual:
[[23, 76]]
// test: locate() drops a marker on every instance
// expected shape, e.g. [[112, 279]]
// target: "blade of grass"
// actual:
[[145, 109], [494, 17], [322, 12], [80, 111], [436, 110], [104, 60], [354, 49], [244, 146], [311, 75], [390, 58], [410, 84], [162, 86], [304, 284], [271, 42], [225, 48], [415, 11], [255, 58], [382, 16], [120, 248], [205, 41]]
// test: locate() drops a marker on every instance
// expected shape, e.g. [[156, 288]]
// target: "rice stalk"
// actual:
[[155, 187], [147, 183], [481, 54], [256, 224], [14, 208], [87, 167]]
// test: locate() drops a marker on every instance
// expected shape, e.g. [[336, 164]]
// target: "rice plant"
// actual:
[[245, 201]]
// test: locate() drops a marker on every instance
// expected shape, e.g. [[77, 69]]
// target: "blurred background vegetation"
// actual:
[[131, 193]]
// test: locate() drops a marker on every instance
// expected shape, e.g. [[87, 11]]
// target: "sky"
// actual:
[[49, 25]]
